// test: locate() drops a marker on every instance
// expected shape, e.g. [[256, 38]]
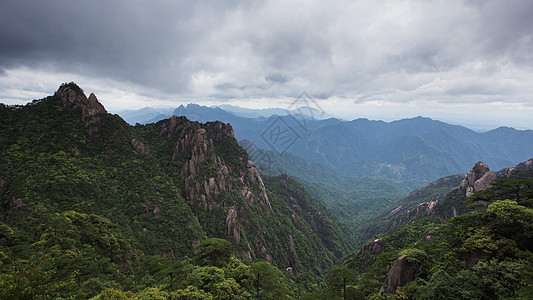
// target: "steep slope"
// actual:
[[446, 197], [354, 201], [167, 185], [481, 255]]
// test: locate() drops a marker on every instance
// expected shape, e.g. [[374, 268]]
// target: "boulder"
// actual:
[[401, 273], [478, 179]]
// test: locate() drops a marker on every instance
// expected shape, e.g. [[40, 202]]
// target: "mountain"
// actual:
[[446, 197], [383, 159], [252, 113], [413, 151], [465, 236], [310, 112], [354, 201], [82, 186], [145, 115]]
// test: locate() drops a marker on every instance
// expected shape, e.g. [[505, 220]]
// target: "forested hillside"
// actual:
[[486, 253], [89, 202]]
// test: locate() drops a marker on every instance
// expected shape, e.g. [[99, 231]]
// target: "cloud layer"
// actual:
[[390, 51]]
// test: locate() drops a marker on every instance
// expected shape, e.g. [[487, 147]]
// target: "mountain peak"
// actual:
[[71, 95], [478, 179]]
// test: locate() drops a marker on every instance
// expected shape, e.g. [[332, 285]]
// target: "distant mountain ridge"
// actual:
[[414, 151]]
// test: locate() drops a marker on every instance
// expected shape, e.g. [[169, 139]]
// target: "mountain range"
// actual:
[[412, 151]]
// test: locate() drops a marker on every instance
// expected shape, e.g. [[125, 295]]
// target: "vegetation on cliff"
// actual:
[[89, 203]]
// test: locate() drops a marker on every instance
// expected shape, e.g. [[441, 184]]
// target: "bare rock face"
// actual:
[[401, 273], [529, 164], [157, 212], [508, 172], [16, 204], [231, 227], [478, 179], [295, 260], [374, 247], [210, 175], [72, 96], [198, 143], [139, 147]]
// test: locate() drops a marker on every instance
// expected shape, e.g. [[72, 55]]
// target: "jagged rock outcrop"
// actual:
[[366, 255], [478, 179], [508, 172], [71, 95], [16, 204], [215, 170], [374, 247], [445, 197], [231, 229], [203, 185], [139, 146], [401, 273]]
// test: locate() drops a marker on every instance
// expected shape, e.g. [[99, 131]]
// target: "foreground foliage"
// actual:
[[486, 254]]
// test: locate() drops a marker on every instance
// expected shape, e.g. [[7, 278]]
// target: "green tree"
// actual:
[[190, 293], [33, 280], [268, 281], [213, 251], [340, 277], [517, 189]]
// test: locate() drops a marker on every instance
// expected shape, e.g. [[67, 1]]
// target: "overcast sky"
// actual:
[[466, 62]]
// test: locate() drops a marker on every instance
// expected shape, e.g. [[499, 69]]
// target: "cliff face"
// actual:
[[197, 143], [401, 273], [220, 183]]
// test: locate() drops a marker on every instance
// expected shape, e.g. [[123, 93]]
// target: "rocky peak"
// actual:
[[139, 146], [72, 96], [478, 179], [508, 172], [401, 273]]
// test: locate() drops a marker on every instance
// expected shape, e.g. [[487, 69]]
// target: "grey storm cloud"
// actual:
[[360, 49]]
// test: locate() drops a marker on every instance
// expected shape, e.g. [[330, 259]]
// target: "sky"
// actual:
[[466, 62]]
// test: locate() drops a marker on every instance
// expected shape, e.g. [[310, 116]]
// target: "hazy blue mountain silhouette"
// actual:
[[414, 151]]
